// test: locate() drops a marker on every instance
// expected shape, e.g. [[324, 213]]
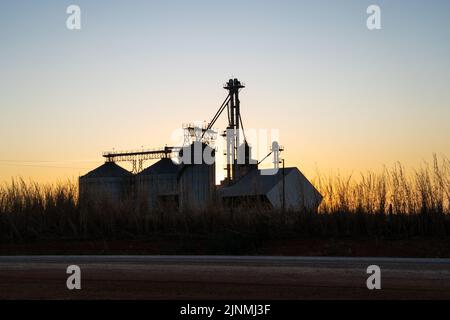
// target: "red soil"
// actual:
[[426, 248]]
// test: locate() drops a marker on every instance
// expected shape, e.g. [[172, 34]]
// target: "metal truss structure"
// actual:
[[194, 132], [137, 157]]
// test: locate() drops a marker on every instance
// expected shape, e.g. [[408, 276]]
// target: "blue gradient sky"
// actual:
[[342, 96]]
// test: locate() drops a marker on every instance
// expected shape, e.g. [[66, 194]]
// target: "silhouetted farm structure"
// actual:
[[184, 178]]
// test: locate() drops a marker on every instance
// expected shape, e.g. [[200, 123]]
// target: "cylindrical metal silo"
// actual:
[[157, 185], [108, 182], [197, 177]]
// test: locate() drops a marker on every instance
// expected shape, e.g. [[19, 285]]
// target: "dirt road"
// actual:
[[222, 277]]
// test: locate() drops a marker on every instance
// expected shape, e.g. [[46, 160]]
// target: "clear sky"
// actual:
[[343, 97]]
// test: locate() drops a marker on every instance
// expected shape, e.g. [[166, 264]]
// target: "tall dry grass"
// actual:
[[393, 203], [393, 190]]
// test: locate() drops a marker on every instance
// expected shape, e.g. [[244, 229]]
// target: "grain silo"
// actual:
[[197, 176], [157, 185], [108, 182], [190, 183]]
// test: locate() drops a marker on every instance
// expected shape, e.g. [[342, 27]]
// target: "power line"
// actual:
[[48, 161], [40, 166]]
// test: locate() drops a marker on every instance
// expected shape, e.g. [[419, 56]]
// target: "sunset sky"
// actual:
[[343, 97]]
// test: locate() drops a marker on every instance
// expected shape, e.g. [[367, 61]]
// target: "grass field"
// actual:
[[393, 204]]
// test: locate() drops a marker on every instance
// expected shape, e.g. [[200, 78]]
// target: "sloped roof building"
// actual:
[[266, 187]]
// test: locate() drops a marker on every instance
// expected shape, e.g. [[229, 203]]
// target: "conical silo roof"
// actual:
[[163, 166], [108, 170]]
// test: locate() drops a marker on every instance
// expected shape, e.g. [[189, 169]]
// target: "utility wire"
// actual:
[[48, 161], [40, 166]]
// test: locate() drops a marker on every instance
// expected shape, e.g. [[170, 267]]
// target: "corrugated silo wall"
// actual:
[[112, 190], [197, 186], [149, 187]]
